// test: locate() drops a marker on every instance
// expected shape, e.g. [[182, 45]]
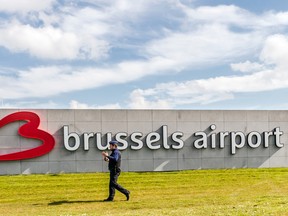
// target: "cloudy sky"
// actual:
[[144, 54]]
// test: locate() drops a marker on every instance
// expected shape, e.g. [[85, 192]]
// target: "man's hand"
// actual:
[[104, 154]]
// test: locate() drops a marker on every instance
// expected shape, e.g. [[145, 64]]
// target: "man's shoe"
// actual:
[[128, 196], [108, 200]]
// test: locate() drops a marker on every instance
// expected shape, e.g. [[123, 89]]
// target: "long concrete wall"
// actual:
[[264, 147]]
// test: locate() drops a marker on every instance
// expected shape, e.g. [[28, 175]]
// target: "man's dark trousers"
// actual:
[[114, 185]]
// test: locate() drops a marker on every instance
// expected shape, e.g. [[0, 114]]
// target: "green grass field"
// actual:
[[198, 192]]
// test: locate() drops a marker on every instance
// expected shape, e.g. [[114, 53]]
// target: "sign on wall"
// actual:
[[70, 143]]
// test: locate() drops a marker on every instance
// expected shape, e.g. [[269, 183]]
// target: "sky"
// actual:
[[144, 54]]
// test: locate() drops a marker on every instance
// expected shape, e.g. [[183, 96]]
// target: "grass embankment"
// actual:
[[199, 192]]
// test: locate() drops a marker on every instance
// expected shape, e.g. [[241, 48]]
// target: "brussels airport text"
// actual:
[[162, 139]]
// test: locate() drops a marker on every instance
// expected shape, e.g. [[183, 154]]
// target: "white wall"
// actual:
[[146, 121]]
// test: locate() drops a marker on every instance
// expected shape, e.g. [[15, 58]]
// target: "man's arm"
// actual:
[[114, 156]]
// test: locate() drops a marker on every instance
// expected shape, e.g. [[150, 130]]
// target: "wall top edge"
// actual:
[[212, 110]]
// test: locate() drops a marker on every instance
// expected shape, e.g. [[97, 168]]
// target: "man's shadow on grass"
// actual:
[[61, 202]]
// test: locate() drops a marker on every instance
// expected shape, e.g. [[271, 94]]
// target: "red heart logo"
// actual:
[[28, 130]]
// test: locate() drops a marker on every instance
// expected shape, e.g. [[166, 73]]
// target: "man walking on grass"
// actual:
[[114, 163]]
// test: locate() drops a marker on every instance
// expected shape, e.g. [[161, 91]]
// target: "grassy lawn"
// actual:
[[198, 192]]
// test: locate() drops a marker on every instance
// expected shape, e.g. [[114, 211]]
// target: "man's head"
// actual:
[[113, 144]]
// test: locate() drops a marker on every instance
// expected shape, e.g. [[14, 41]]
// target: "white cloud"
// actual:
[[68, 32], [247, 67], [24, 6], [47, 81], [73, 33], [138, 101], [53, 80], [210, 90], [50, 43], [46, 42], [77, 105], [212, 44], [205, 36], [218, 14], [276, 50], [216, 35], [235, 16]]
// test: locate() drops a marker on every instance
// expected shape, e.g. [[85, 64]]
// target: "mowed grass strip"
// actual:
[[197, 192]]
